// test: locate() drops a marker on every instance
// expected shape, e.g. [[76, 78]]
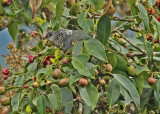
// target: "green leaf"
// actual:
[[77, 49], [84, 23], [157, 27], [104, 29], [15, 102], [129, 86], [140, 82], [67, 99], [49, 71], [113, 92], [131, 1], [56, 97], [158, 90], [41, 105], [148, 49], [95, 48], [112, 59], [123, 63], [126, 96], [32, 66], [18, 80], [13, 30], [74, 78], [87, 109], [140, 69], [41, 71], [98, 4], [59, 9], [152, 2], [90, 95], [144, 16], [79, 62], [145, 96]]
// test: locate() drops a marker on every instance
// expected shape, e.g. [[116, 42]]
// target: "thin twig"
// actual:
[[132, 44]]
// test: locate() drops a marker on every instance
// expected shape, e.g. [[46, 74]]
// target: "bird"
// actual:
[[64, 38]]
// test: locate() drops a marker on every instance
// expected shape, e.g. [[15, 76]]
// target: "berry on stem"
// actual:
[[83, 82], [151, 80]]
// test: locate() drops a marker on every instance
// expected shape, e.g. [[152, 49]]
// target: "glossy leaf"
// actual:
[[112, 59], [98, 4], [79, 62], [95, 48], [67, 99], [77, 49], [152, 2], [113, 92], [140, 82], [41, 105], [56, 97], [15, 102], [129, 86], [104, 29], [144, 16], [84, 23], [90, 95], [13, 30], [59, 9]]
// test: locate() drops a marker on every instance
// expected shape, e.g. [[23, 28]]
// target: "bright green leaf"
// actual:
[[104, 29], [13, 30], [95, 48], [144, 16], [41, 105], [90, 95], [129, 86], [59, 9], [113, 92], [79, 62]]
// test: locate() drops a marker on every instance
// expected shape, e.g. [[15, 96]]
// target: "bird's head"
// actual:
[[48, 35]]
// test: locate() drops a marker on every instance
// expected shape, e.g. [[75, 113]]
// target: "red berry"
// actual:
[[156, 41], [96, 72], [48, 109], [33, 79], [125, 46], [63, 82], [30, 58], [35, 84], [154, 12], [83, 82], [25, 86], [2, 90], [9, 2], [157, 3], [6, 71], [5, 77], [64, 61], [108, 67], [102, 82], [35, 32], [40, 37], [56, 73], [49, 83], [158, 18], [151, 80], [5, 101], [68, 53], [5, 111], [149, 10]]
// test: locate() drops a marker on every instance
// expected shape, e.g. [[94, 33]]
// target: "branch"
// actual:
[[119, 19], [132, 44]]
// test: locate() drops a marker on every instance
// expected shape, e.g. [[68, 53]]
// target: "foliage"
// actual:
[[109, 73]]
